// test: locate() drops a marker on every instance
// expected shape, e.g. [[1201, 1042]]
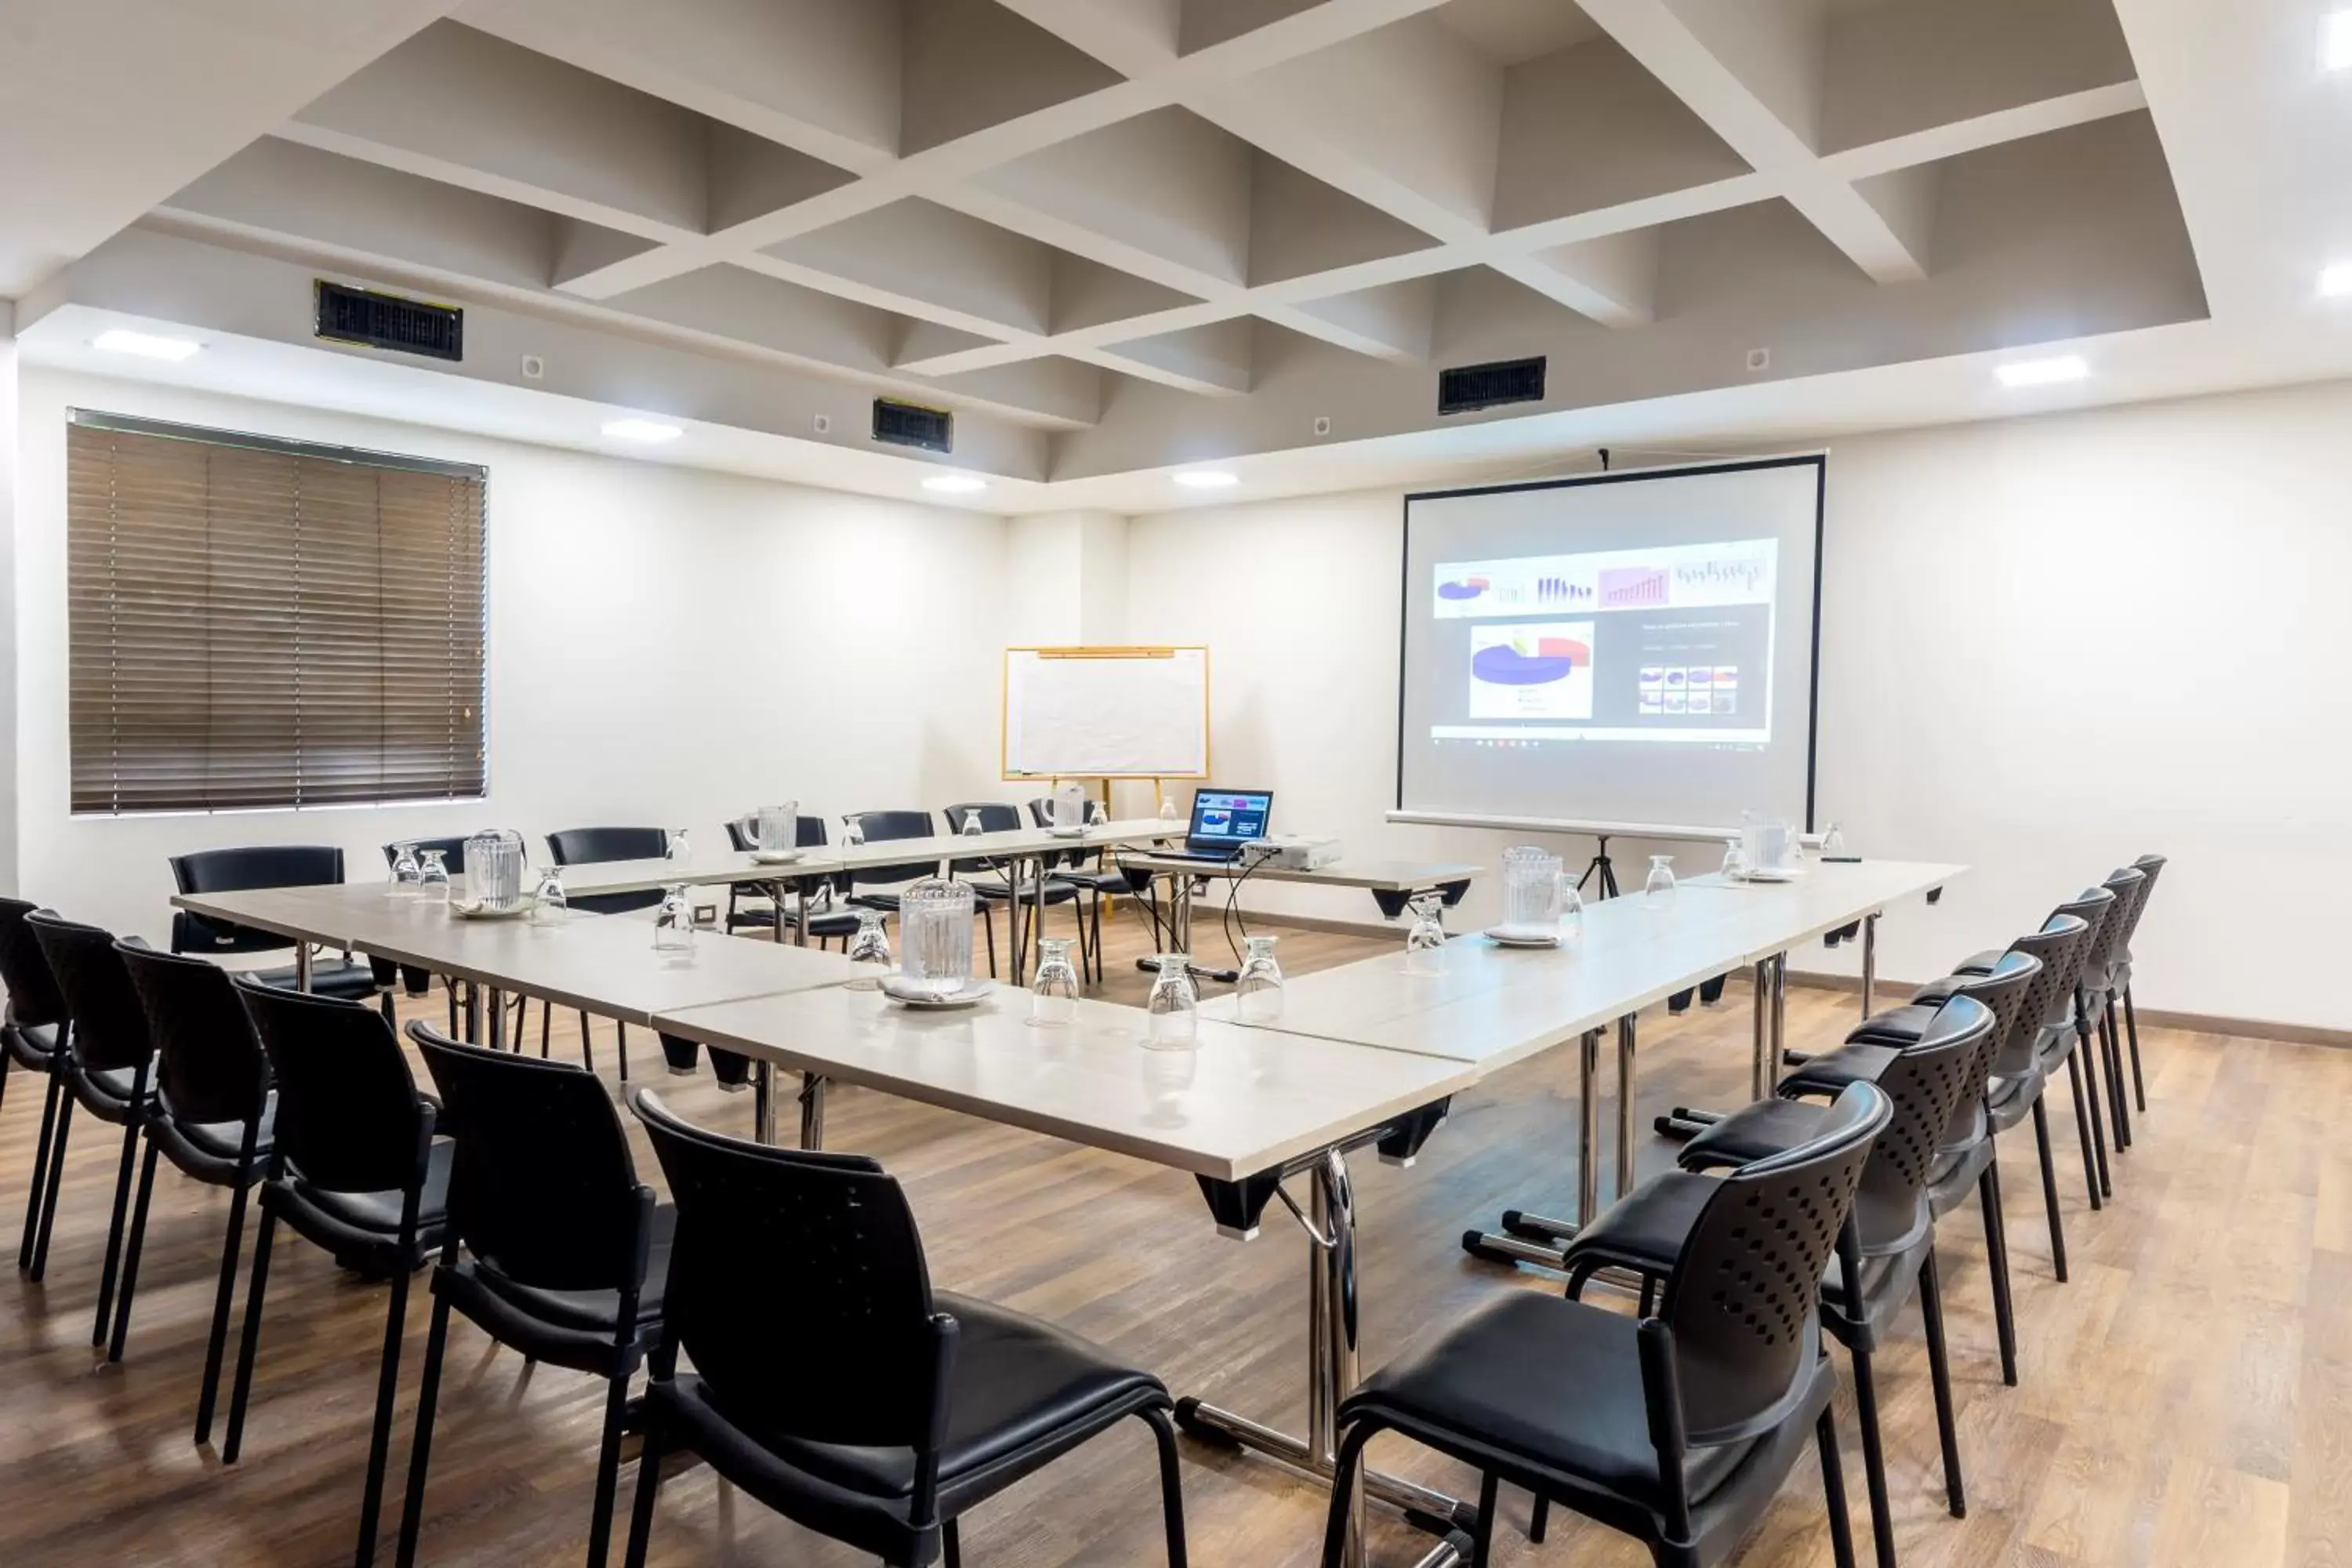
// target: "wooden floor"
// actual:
[[2187, 1399]]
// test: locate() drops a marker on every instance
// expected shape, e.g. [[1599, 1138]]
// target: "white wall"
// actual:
[[2048, 645], [8, 737], [667, 646]]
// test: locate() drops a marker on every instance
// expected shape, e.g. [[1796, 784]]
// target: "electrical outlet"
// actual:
[[533, 367], [1323, 424], [706, 914], [1759, 359], [824, 424]]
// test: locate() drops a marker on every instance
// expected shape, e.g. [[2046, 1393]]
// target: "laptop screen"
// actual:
[[1226, 819]]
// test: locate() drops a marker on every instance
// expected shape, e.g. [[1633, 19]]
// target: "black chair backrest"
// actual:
[[2058, 945], [2092, 907], [1741, 1301], [2150, 867], [880, 827], [33, 996], [2125, 883], [235, 871], [542, 1188], [587, 846], [2004, 992], [1926, 1081], [779, 1246], [348, 1117], [209, 1062], [452, 852], [995, 817], [808, 833], [110, 1026]]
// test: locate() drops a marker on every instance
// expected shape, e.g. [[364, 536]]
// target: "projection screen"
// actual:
[[1625, 652]]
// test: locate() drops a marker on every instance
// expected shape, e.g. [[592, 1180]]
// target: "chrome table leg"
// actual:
[[812, 1111], [1869, 959]]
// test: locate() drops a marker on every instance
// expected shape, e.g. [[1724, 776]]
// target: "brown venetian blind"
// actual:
[[255, 623]]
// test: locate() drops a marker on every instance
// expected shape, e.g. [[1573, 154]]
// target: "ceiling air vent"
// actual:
[[1470, 386], [348, 315], [912, 424]]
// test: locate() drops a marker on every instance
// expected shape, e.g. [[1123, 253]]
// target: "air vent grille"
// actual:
[[1473, 387], [912, 424], [348, 315]]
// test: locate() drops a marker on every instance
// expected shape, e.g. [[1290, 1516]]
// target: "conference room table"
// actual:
[[1024, 854]]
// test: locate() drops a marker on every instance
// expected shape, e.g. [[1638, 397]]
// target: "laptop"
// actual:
[[1224, 822]]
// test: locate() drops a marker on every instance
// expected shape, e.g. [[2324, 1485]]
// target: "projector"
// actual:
[[1294, 851]]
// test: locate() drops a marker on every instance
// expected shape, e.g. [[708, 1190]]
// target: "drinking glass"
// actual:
[[674, 922], [550, 904], [675, 846], [853, 832], [1257, 995], [1735, 860], [1174, 1006], [1053, 991], [1834, 843], [406, 872], [935, 934], [1572, 909], [433, 876], [1168, 810], [1658, 892], [870, 950], [1424, 945]]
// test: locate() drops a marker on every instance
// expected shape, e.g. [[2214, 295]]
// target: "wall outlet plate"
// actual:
[[533, 367], [1323, 424], [706, 914], [824, 424], [1759, 359]]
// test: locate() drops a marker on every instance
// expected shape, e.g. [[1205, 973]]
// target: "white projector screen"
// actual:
[[1620, 652]]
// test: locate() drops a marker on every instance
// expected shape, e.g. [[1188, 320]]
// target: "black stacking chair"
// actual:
[[992, 884], [32, 1031], [108, 1068], [877, 887], [759, 905], [587, 847], [911, 1408], [2150, 867], [2094, 994], [554, 1247], [354, 1168], [2062, 1034], [1093, 876], [1968, 1157], [214, 1117], [1891, 1248], [1677, 1428], [269, 866]]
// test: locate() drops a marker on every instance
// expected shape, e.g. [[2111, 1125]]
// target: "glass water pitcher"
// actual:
[[935, 935]]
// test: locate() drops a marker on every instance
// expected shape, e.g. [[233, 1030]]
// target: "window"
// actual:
[[256, 623]]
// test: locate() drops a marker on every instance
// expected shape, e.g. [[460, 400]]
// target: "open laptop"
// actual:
[[1224, 821]]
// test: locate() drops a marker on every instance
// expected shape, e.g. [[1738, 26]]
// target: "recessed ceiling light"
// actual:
[[955, 484], [2336, 281], [2043, 372], [146, 346], [2335, 41], [1205, 479], [642, 430]]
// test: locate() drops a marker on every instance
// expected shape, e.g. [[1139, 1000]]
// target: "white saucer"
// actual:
[[774, 856], [1775, 874], [465, 911], [1077, 832], [973, 990], [1521, 936]]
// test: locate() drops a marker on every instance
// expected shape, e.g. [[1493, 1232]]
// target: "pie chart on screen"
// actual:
[[1467, 588], [1529, 661]]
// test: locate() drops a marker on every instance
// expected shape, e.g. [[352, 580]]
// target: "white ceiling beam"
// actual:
[[1751, 69], [1973, 135], [147, 98]]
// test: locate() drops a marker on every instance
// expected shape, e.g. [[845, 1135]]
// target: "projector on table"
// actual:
[[1292, 852]]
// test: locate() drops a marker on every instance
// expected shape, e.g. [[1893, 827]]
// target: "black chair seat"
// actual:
[[1022, 1393], [585, 1311], [1830, 1072], [1644, 1230], [1900, 1025], [996, 891], [208, 1150], [1954, 1178], [1112, 881], [353, 979], [106, 1093], [832, 922], [363, 1228], [30, 1045], [1550, 1386]]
